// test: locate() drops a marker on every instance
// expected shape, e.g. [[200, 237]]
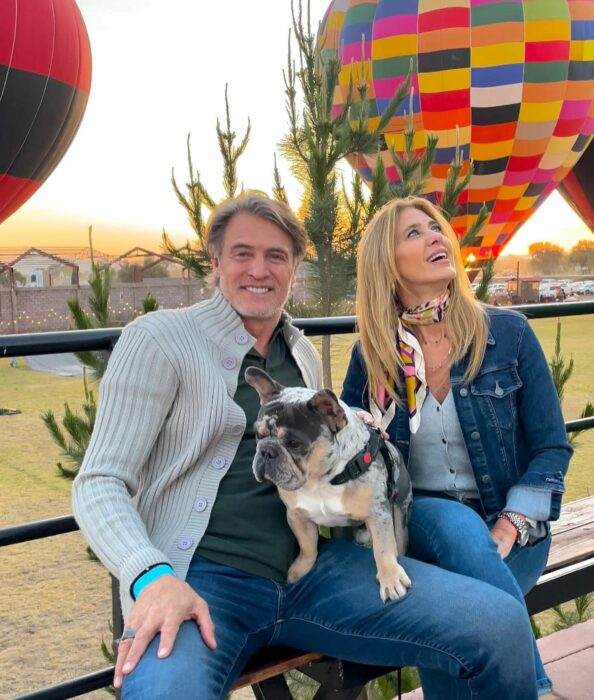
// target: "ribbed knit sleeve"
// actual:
[[136, 393]]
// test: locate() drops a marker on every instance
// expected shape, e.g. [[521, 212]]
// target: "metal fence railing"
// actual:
[[565, 586]]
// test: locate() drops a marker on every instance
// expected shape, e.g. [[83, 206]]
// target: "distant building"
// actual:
[[52, 266]]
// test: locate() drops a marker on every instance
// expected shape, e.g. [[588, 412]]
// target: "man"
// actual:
[[167, 499]]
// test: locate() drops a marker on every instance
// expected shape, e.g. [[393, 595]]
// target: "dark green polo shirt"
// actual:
[[248, 526]]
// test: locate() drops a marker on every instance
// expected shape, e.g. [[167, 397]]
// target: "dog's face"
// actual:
[[295, 432]]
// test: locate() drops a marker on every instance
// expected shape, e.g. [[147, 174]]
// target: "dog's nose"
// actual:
[[269, 450]]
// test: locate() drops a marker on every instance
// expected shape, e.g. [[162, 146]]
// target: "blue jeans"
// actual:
[[474, 635], [455, 537]]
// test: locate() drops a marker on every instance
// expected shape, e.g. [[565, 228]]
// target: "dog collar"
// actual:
[[361, 462]]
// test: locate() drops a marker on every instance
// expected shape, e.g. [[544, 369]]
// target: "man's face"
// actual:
[[256, 267]]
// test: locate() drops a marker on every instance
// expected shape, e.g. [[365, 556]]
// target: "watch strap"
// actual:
[[519, 522]]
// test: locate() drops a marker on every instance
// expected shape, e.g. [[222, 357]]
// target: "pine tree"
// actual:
[[562, 371], [149, 303], [73, 433], [487, 272], [577, 612], [195, 256], [316, 142]]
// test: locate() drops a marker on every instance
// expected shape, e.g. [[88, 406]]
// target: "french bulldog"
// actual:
[[305, 440]]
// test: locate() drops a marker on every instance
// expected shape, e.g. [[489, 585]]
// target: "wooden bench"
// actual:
[[572, 552], [573, 535], [572, 546]]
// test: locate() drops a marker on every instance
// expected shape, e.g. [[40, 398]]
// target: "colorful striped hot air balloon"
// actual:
[[511, 81], [45, 76], [577, 188]]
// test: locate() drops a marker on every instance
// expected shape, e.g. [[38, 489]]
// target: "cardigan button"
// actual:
[[185, 543], [229, 363], [200, 504], [218, 462], [237, 430], [241, 338]]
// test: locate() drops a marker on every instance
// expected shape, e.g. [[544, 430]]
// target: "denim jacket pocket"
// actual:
[[495, 392]]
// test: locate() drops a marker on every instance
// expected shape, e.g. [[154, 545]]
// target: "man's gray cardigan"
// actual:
[[166, 431]]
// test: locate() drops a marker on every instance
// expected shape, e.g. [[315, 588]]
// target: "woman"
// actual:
[[465, 393]]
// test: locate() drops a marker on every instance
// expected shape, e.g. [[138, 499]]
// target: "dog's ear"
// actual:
[[262, 383], [326, 404]]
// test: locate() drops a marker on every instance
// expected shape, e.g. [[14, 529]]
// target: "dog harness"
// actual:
[[361, 462]]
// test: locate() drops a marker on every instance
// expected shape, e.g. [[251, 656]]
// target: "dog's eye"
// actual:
[[293, 444]]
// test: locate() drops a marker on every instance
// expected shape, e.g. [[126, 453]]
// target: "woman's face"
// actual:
[[423, 257]]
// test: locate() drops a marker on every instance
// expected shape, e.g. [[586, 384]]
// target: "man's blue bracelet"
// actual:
[[149, 576]]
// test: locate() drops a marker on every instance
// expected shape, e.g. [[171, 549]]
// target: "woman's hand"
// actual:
[[504, 535], [369, 420]]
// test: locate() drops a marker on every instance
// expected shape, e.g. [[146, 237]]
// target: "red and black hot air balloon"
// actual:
[[45, 76]]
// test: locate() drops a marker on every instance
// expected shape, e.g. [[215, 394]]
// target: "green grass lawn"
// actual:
[[55, 604], [61, 600]]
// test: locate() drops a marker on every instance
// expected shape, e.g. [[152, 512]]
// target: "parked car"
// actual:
[[584, 287], [553, 293]]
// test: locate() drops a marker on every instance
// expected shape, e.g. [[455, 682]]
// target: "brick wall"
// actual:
[[37, 309]]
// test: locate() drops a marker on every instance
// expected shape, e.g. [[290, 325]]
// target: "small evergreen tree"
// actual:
[[98, 316], [74, 435], [562, 371], [195, 256], [149, 303], [574, 614], [100, 285], [109, 656], [316, 142], [487, 272]]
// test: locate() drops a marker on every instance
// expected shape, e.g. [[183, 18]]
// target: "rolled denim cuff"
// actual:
[[148, 577], [532, 503]]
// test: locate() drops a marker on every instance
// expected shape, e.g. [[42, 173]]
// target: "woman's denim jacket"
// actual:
[[509, 414]]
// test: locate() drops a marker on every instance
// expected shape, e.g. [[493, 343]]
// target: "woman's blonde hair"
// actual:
[[378, 306]]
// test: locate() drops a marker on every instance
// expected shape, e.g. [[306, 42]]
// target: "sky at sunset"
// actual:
[[159, 72]]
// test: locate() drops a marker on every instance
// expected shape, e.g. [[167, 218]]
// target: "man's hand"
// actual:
[[161, 607], [504, 535]]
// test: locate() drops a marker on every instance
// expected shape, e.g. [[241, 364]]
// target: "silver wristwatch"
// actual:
[[520, 524]]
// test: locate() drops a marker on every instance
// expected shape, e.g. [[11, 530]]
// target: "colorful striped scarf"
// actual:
[[413, 361]]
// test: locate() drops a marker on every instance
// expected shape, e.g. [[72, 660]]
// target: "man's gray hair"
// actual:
[[260, 205]]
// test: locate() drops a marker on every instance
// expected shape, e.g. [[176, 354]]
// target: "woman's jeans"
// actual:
[[455, 537], [474, 636]]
